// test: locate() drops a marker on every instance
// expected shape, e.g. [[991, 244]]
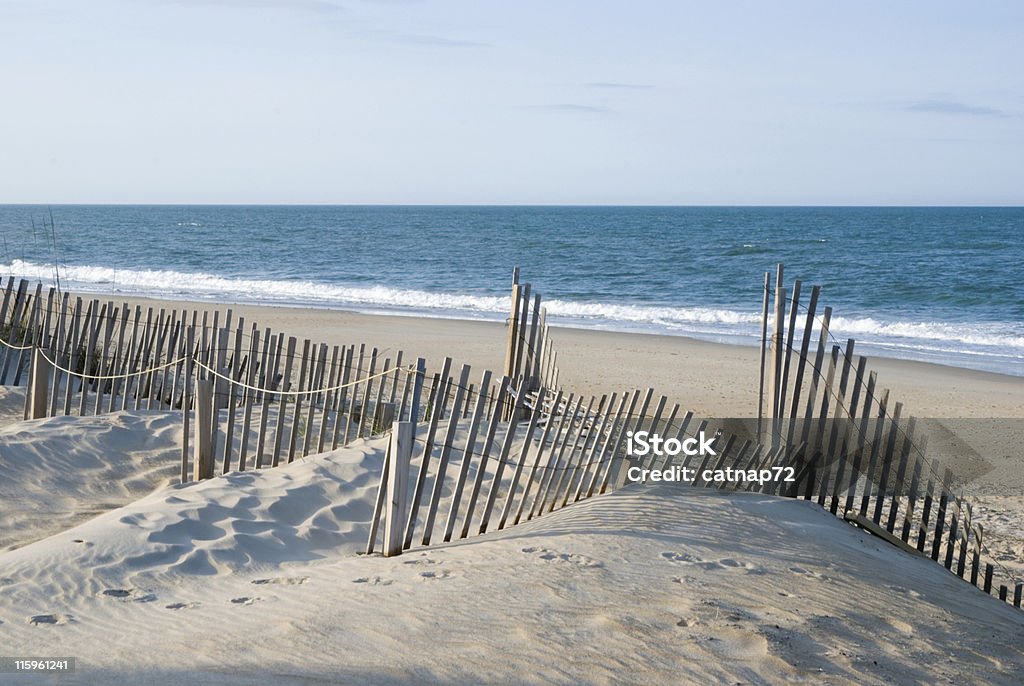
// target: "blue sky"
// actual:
[[355, 101]]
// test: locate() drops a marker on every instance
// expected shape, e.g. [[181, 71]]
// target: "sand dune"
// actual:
[[258, 573], [61, 471]]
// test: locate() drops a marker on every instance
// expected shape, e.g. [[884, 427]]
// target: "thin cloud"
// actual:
[[612, 85], [953, 107]]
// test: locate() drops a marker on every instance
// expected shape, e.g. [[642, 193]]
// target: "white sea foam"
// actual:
[[182, 284], [978, 338], [974, 334]]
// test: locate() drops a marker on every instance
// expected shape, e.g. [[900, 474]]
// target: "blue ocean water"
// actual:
[[934, 284]]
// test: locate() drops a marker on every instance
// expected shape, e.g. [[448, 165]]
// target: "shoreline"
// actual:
[[594, 361]]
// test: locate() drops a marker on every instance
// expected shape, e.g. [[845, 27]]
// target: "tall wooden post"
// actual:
[[204, 429], [511, 345], [764, 345], [186, 399], [39, 382], [778, 337], [397, 487]]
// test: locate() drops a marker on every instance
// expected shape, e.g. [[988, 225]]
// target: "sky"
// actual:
[[489, 102]]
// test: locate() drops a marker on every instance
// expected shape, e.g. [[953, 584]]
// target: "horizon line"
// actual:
[[502, 205]]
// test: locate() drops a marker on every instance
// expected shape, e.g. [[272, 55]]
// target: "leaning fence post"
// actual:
[[204, 429], [39, 382], [186, 399], [397, 488], [512, 344]]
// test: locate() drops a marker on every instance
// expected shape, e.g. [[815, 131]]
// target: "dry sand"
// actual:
[[711, 379], [255, 577]]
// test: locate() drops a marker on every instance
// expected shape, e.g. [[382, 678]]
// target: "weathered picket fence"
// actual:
[[856, 452], [465, 458], [256, 398]]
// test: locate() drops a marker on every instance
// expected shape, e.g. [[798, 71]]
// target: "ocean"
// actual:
[[934, 284]]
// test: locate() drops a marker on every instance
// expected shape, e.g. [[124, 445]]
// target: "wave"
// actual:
[[939, 336], [975, 334], [169, 282]]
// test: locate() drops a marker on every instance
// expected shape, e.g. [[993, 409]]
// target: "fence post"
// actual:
[[512, 343], [764, 346], [383, 417], [186, 398], [38, 384], [204, 429], [778, 339], [397, 487]]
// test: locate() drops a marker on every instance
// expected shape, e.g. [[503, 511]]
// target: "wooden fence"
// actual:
[[465, 458], [856, 451], [249, 398], [529, 351]]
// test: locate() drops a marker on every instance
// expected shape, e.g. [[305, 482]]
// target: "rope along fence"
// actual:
[[465, 458]]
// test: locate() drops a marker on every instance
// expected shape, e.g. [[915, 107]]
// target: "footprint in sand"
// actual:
[[373, 581], [737, 645], [561, 558], [182, 606], [245, 600], [284, 580], [800, 571], [129, 595], [430, 576], [423, 561], [712, 565], [52, 619]]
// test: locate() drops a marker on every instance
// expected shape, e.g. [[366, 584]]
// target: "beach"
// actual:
[[711, 379], [665, 585], [462, 343]]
